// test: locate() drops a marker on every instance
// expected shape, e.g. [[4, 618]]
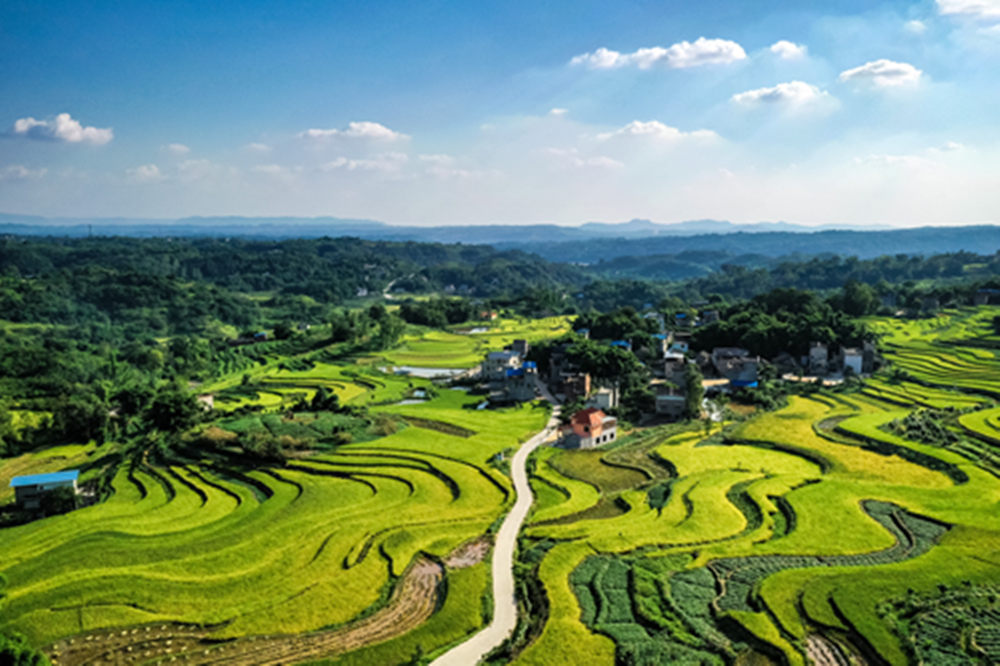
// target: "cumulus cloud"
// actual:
[[386, 162], [177, 149], [915, 27], [656, 130], [951, 146], [978, 9], [558, 112], [571, 158], [788, 51], [276, 171], [355, 130], [147, 173], [904, 161], [794, 92], [884, 74], [62, 128], [678, 56], [440, 160], [21, 172], [259, 148]]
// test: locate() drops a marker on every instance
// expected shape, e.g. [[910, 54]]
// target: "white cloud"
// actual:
[[905, 161], [177, 149], [788, 51], [570, 158], [259, 148], [355, 130], [386, 162], [558, 112], [951, 146], [979, 9], [440, 160], [794, 92], [678, 56], [915, 27], [655, 130], [147, 173], [600, 162], [884, 73], [21, 172], [62, 128], [276, 171]]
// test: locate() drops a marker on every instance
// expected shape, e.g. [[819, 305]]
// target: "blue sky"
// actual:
[[503, 112]]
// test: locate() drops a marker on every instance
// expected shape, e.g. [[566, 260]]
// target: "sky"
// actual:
[[443, 112]]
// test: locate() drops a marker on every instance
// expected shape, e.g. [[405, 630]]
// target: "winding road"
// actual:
[[504, 605]]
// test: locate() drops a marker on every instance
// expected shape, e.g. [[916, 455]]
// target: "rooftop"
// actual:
[[44, 479]]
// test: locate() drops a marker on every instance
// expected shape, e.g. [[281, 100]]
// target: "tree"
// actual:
[[80, 418], [173, 410], [694, 391], [58, 500], [858, 299], [283, 330]]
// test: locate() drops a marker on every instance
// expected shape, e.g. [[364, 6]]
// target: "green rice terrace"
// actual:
[[859, 526], [367, 542]]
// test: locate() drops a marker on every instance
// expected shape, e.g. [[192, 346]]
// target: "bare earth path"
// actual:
[[504, 604]]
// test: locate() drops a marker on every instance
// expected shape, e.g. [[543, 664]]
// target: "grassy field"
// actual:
[[798, 528], [441, 349], [245, 548]]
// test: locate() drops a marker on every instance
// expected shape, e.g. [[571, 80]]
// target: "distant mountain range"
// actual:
[[588, 243]]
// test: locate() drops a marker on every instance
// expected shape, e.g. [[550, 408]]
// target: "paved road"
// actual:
[[504, 605]]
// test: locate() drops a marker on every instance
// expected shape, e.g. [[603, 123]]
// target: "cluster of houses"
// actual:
[[511, 378]]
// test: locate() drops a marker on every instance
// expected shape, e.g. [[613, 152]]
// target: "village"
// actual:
[[509, 377]]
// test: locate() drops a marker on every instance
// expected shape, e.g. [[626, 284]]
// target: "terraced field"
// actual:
[[781, 539], [440, 349], [957, 349], [344, 552]]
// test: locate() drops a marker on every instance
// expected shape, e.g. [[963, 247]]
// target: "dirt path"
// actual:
[[504, 603], [412, 603]]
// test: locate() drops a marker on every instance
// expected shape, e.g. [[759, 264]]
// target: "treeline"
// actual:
[[331, 270], [784, 320], [959, 273]]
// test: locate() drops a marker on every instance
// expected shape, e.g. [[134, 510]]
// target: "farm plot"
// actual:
[[790, 530], [206, 538], [441, 349]]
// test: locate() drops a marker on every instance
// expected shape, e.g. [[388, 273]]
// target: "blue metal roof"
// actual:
[[44, 479], [742, 383], [530, 365], [621, 343]]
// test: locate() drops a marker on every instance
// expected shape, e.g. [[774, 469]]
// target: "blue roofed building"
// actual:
[[29, 490], [522, 383], [624, 344]]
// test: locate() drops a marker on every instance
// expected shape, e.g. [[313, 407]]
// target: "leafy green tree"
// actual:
[[58, 501], [283, 330], [695, 391], [79, 418], [173, 410]]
